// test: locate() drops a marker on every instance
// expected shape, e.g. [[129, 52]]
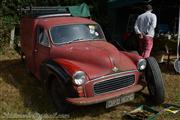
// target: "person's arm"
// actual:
[[153, 23], [136, 29]]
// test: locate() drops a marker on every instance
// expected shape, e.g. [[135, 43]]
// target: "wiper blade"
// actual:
[[79, 39]]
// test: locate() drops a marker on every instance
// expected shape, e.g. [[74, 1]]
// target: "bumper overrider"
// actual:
[[109, 87]]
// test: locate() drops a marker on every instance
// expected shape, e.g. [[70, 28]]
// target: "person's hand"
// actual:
[[140, 36]]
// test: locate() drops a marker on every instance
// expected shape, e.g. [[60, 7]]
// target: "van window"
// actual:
[[42, 36], [76, 32]]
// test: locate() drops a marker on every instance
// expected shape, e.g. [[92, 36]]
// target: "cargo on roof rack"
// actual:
[[51, 11], [45, 11]]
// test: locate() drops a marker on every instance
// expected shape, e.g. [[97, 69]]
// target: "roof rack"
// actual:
[[51, 11], [45, 11]]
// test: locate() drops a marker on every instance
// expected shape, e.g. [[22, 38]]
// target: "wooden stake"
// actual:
[[12, 37]]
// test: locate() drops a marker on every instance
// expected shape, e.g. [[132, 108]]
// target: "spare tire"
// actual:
[[155, 81]]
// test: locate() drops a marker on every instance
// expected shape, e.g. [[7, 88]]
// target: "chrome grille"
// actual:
[[114, 84]]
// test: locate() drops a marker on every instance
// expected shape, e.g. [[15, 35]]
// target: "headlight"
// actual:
[[141, 64], [79, 77]]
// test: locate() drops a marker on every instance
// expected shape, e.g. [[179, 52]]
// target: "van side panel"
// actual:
[[27, 34]]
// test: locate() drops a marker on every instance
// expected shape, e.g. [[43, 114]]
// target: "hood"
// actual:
[[96, 58]]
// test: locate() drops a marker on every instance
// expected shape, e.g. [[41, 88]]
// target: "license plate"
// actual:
[[119, 100]]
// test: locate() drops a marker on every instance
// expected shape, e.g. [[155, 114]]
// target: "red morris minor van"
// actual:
[[72, 58]]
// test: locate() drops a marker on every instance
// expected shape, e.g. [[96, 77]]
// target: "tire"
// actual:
[[58, 95], [155, 82]]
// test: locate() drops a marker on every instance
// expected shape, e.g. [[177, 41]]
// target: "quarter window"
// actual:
[[42, 36]]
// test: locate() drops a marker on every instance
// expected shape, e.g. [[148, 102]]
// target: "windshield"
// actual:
[[76, 32]]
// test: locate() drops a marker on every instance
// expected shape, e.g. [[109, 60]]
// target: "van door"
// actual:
[[42, 49]]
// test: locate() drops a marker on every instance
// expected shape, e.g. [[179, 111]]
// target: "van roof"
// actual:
[[55, 21]]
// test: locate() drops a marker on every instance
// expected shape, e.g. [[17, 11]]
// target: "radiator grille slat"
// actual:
[[114, 84], [110, 85]]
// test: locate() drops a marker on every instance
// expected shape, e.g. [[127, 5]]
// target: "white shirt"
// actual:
[[146, 23]]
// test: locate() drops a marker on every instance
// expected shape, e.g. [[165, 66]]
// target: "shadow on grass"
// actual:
[[141, 98], [30, 89]]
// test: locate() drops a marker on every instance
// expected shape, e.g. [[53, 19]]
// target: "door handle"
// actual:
[[35, 51]]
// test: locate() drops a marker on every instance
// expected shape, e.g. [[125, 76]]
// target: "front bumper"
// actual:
[[103, 97]]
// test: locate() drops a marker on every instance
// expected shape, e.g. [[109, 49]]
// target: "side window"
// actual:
[[42, 36]]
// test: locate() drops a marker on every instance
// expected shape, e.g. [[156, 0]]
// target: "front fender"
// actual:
[[68, 66], [133, 56], [54, 67]]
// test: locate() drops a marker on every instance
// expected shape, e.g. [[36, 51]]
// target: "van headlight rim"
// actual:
[[141, 64], [79, 77]]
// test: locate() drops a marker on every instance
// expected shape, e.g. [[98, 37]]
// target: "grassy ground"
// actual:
[[21, 94]]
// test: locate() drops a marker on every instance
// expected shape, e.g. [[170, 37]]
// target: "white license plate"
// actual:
[[119, 100]]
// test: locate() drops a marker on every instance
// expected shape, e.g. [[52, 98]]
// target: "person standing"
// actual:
[[145, 29]]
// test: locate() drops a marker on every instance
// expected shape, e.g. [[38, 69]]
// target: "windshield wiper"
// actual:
[[79, 39]]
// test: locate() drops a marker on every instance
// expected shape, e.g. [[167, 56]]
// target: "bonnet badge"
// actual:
[[115, 69]]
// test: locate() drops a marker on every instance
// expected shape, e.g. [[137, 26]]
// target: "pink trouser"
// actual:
[[145, 46]]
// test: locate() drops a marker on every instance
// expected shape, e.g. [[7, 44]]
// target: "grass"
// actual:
[[21, 94]]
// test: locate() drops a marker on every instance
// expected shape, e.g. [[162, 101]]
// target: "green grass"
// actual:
[[21, 94]]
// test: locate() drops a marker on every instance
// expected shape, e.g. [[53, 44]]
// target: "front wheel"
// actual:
[[155, 82], [58, 95]]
